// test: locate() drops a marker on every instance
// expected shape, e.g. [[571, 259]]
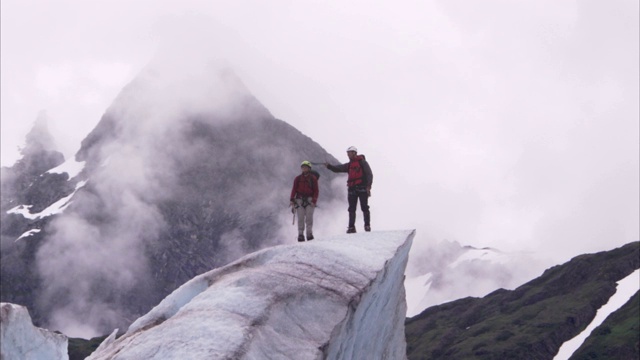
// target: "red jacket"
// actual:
[[359, 171], [305, 186]]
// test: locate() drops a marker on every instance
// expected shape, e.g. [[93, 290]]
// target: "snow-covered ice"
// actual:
[[339, 298], [20, 340]]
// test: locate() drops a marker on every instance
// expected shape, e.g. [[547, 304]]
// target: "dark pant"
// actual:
[[353, 195]]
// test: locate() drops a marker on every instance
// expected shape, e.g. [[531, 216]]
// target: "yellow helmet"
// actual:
[[306, 163]]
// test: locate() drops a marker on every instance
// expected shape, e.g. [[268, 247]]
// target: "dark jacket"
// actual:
[[305, 186], [360, 174]]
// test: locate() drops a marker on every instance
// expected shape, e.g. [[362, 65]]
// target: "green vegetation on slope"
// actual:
[[530, 322], [79, 349], [617, 337]]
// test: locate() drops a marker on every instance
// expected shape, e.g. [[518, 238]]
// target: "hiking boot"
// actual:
[[309, 237], [300, 238], [367, 228], [351, 230]]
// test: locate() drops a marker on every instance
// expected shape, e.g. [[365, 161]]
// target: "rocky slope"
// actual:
[[532, 321], [617, 337], [27, 182]]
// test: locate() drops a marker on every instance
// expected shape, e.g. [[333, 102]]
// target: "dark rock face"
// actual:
[[173, 189], [27, 183], [530, 322]]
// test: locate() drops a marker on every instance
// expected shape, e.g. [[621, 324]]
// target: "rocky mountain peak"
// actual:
[[39, 153], [39, 138], [185, 172]]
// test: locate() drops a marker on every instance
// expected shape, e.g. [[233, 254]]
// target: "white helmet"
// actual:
[[352, 148]]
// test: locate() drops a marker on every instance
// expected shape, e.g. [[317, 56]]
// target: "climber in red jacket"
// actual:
[[304, 196]]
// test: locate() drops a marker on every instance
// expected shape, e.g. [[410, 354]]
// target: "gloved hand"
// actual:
[[369, 192]]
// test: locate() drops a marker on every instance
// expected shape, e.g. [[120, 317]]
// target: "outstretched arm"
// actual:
[[337, 168]]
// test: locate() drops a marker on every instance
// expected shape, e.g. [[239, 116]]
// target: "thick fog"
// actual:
[[98, 252], [513, 125]]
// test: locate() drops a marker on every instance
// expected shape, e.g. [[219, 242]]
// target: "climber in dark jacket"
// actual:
[[359, 184]]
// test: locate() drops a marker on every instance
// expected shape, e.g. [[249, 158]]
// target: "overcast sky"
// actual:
[[511, 124]]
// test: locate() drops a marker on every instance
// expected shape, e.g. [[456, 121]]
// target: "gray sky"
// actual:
[[512, 124]]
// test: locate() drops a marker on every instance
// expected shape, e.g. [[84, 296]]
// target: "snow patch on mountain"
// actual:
[[450, 272], [339, 298], [71, 167], [19, 339], [28, 233], [486, 254], [417, 288], [56, 208]]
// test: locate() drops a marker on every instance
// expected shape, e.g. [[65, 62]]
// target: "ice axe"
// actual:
[[293, 211]]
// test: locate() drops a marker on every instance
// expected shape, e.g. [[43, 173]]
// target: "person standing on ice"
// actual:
[[304, 196], [359, 181]]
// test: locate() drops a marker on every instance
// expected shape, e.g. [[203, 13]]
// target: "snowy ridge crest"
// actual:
[[336, 298]]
